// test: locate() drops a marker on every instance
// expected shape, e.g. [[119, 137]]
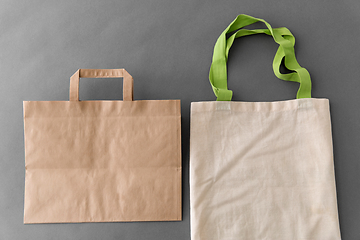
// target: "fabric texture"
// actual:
[[262, 170], [102, 161], [285, 52]]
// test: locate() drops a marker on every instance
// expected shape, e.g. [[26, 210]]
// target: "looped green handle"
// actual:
[[282, 36]]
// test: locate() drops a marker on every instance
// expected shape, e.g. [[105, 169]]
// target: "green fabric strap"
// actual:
[[282, 36]]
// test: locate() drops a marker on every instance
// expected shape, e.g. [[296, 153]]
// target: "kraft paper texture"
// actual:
[[102, 161]]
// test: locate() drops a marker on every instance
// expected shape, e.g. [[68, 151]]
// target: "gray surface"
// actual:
[[167, 47]]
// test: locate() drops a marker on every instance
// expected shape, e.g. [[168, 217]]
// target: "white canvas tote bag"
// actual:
[[262, 170]]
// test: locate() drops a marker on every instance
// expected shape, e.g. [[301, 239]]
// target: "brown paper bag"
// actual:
[[102, 161]]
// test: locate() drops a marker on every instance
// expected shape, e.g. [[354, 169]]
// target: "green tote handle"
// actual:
[[282, 36]]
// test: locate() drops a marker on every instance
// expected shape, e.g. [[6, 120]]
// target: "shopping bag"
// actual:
[[261, 170], [102, 161]]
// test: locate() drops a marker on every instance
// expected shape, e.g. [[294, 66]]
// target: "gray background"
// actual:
[[167, 47]]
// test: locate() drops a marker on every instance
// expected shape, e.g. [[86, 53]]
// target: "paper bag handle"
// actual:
[[128, 81]]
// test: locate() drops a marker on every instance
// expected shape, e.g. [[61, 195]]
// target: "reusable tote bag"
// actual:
[[102, 161], [261, 170]]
